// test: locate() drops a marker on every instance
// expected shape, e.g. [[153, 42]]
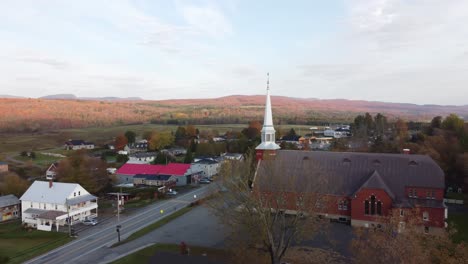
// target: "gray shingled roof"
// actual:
[[8, 200], [343, 173]]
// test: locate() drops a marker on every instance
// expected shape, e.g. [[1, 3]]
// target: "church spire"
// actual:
[[268, 131]]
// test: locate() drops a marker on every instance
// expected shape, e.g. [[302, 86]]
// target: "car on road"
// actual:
[[205, 181], [172, 192], [91, 222]]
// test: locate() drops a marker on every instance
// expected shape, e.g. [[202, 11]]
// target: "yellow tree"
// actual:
[[159, 140], [11, 183]]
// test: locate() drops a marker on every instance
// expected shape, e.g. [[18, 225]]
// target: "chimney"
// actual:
[[51, 183], [406, 151]]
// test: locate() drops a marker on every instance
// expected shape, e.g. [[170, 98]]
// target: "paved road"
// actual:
[[106, 235]]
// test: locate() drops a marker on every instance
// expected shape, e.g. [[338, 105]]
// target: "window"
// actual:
[[402, 212], [74, 194], [426, 216], [44, 206], [79, 192], [55, 207], [372, 205], [379, 208], [31, 204], [343, 205], [428, 195], [300, 202], [432, 194], [426, 230]]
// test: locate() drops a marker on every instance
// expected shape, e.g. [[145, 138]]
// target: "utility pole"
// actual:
[[68, 215], [118, 208]]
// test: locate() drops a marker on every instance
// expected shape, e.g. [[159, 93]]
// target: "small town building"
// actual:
[[3, 167], [75, 144], [207, 167], [9, 207], [233, 156], [142, 157], [51, 172], [47, 205], [154, 180], [182, 172]]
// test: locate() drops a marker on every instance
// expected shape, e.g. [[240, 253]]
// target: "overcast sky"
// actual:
[[413, 51]]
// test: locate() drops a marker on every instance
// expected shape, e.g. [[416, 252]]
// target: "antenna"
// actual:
[[268, 81]]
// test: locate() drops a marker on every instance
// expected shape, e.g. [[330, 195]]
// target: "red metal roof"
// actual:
[[132, 169], [177, 169]]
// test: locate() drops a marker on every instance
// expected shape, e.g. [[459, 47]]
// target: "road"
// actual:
[[106, 235]]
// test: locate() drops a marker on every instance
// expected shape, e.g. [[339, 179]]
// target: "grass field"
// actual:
[[20, 245], [144, 255]]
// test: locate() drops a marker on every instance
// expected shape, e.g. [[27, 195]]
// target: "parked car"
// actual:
[[92, 222], [205, 181]]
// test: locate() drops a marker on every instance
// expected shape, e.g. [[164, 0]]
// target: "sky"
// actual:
[[413, 51]]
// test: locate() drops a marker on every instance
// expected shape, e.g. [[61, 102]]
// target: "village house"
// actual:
[[51, 172], [9, 207], [233, 156], [48, 204], [142, 157], [181, 172], [3, 167], [75, 144], [154, 180], [351, 187], [207, 167]]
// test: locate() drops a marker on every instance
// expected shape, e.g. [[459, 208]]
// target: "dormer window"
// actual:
[[79, 193], [74, 194]]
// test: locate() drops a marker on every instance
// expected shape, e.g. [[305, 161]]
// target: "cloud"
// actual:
[[206, 19], [56, 64]]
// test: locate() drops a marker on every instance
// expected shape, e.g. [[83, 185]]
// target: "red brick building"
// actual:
[[354, 187]]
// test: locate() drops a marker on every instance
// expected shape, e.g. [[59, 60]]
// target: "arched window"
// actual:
[[426, 216], [379, 208], [372, 205], [366, 207]]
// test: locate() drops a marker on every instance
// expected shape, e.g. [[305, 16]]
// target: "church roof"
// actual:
[[343, 173]]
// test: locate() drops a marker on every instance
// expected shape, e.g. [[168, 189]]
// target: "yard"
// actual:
[[460, 221], [19, 244], [173, 255]]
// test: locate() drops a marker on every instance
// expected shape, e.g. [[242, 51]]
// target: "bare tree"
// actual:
[[402, 240], [269, 205]]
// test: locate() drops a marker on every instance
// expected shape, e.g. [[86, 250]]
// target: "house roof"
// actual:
[[206, 161], [8, 200], [77, 142], [376, 182], [152, 177], [81, 198], [143, 154], [133, 169], [39, 191], [51, 214], [177, 169], [343, 173]]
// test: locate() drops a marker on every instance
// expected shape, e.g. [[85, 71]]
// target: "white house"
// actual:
[[47, 204], [52, 171], [142, 157], [207, 167], [75, 144], [233, 156]]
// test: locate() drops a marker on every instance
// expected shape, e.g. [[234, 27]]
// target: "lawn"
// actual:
[[20, 245], [41, 160], [144, 255], [154, 226], [460, 220]]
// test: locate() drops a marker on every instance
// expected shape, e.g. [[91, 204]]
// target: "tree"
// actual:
[[381, 124], [453, 123], [436, 122], [291, 133], [11, 183], [256, 214], [120, 142], [160, 140], [89, 172], [164, 158], [401, 130], [253, 130], [131, 136], [188, 157], [191, 131], [401, 240]]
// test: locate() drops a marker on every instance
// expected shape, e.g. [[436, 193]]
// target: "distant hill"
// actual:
[[20, 114], [74, 97], [10, 96]]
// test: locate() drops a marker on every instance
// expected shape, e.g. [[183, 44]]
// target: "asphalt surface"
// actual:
[[104, 235]]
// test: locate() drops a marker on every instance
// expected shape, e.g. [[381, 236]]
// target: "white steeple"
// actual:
[[268, 131]]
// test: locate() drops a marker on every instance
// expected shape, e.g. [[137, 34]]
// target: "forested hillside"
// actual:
[[27, 115]]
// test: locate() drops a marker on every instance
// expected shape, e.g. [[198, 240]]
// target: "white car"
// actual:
[[173, 192], [92, 222]]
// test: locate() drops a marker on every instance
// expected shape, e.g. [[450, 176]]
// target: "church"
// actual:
[[357, 188]]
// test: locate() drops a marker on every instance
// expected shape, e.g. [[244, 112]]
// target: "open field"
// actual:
[[19, 244], [13, 144]]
